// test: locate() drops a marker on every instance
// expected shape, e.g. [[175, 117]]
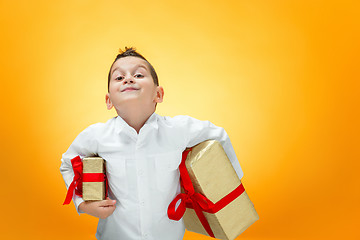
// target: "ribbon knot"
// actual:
[[188, 199]]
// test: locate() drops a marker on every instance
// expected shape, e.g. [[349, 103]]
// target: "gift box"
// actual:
[[215, 199], [89, 180], [94, 185]]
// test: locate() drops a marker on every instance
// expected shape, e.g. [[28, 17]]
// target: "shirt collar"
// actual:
[[153, 121], [120, 123]]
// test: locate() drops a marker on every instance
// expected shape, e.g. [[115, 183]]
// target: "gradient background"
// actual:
[[282, 78]]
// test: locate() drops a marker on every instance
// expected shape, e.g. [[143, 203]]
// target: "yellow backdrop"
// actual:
[[282, 78]]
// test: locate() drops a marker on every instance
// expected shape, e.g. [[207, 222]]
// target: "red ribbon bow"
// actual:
[[81, 177], [76, 184], [197, 201]]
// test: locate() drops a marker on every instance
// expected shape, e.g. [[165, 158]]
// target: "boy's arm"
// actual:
[[84, 145], [198, 131]]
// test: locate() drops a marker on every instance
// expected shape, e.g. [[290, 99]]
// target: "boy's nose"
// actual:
[[128, 80]]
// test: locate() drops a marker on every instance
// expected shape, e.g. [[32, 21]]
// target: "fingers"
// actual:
[[107, 202], [106, 211]]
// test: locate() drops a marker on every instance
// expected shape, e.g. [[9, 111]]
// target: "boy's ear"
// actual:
[[159, 94], [109, 104]]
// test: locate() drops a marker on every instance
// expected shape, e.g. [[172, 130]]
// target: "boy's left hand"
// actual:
[[100, 209]]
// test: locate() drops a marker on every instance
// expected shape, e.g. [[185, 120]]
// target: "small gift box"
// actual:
[[93, 187], [89, 180], [213, 199]]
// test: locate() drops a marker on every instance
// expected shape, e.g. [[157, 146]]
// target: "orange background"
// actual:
[[282, 78]]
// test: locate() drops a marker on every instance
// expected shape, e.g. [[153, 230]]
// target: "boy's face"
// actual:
[[131, 85]]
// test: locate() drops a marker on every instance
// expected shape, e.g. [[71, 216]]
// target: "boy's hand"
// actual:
[[100, 209]]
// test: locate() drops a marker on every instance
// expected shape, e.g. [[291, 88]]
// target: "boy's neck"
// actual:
[[135, 119]]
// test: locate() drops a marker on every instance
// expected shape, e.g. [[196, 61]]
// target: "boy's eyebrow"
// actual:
[[136, 67]]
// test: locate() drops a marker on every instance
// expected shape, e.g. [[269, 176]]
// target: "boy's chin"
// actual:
[[128, 100], [132, 104]]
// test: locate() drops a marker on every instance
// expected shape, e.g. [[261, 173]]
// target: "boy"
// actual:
[[142, 152]]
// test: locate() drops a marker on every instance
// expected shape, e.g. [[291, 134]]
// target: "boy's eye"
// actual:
[[139, 75], [119, 78]]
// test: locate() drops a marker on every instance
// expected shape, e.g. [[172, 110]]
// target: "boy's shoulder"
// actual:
[[174, 119], [178, 120]]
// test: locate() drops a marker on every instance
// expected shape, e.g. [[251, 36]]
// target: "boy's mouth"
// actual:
[[129, 89]]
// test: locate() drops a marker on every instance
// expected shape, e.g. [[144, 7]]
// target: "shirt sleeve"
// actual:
[[198, 131], [83, 146]]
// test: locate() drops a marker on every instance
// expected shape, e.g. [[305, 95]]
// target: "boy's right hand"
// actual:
[[100, 209]]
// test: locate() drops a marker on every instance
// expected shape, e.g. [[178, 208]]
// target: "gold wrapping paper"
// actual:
[[213, 175], [93, 190]]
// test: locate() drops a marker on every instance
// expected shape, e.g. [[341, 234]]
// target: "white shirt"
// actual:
[[142, 170]]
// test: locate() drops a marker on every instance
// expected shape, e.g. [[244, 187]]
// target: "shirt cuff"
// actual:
[[77, 200]]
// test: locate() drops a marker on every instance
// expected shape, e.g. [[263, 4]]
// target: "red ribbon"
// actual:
[[93, 177], [76, 184], [197, 201], [81, 177]]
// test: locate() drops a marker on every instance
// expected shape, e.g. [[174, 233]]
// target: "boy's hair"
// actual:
[[131, 52]]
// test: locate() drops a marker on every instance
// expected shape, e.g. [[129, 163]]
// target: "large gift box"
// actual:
[[89, 180], [214, 198]]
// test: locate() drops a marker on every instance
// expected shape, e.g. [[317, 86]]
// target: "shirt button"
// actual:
[[142, 203], [141, 172]]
